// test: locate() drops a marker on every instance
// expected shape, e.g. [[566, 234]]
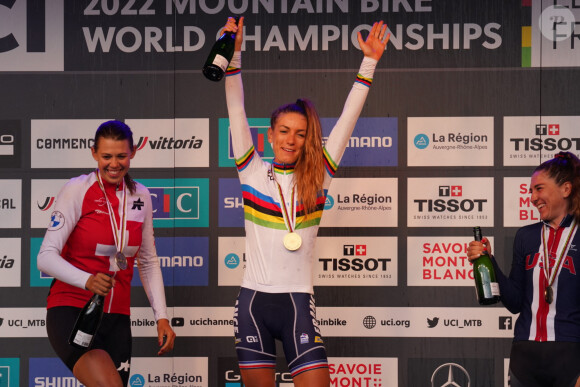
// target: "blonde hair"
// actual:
[[309, 169]]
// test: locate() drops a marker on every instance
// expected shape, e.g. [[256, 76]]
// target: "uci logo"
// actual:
[[32, 35]]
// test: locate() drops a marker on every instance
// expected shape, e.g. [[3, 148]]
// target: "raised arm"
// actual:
[[240, 130], [373, 48]]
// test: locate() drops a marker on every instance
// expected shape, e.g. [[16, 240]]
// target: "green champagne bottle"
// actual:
[[87, 323], [220, 56], [486, 286]]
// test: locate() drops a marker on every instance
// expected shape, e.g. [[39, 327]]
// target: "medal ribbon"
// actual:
[[551, 275], [118, 232], [289, 218]]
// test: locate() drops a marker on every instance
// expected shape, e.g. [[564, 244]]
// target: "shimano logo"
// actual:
[[370, 142], [181, 261]]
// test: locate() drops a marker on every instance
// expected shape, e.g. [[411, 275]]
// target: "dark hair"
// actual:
[[118, 131], [309, 169], [565, 167]]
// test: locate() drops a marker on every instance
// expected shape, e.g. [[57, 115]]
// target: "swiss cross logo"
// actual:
[[450, 190], [554, 129], [456, 190], [361, 249], [350, 250]]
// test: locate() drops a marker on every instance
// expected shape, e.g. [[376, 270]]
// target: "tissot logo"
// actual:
[[547, 129], [451, 205], [453, 190]]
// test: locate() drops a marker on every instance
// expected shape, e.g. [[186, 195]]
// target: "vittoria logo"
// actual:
[[169, 143]]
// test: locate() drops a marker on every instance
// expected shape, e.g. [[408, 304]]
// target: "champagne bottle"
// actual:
[[486, 286], [220, 56], [87, 323]]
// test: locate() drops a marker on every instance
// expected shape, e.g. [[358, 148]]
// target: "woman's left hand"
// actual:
[[376, 42], [164, 331]]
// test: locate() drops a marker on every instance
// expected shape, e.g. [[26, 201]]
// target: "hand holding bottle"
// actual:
[[477, 248], [100, 283], [233, 27]]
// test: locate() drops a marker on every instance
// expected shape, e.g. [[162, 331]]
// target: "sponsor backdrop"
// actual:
[[469, 97]]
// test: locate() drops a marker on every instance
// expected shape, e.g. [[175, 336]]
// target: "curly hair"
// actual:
[[565, 167], [309, 169]]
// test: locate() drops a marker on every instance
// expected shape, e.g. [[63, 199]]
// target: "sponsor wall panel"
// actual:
[[171, 143], [29, 47], [10, 144], [440, 261], [10, 262], [63, 143], [531, 140], [553, 43], [450, 371], [518, 208], [361, 202], [43, 196], [447, 77], [10, 372], [346, 322], [179, 202], [450, 141], [450, 202], [10, 203], [350, 261]]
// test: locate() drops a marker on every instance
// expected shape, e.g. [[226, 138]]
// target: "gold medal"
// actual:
[[121, 260], [292, 241], [549, 294]]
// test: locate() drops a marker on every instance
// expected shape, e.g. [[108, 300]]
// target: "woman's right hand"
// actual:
[[475, 249], [238, 29], [100, 284]]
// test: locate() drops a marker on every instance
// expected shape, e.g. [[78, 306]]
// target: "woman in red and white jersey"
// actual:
[[98, 217]]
